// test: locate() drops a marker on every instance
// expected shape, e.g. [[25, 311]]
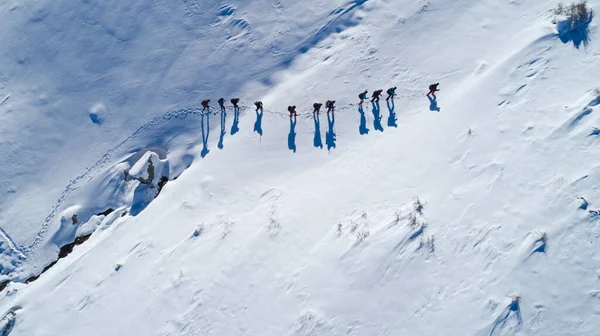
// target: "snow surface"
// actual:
[[421, 217]]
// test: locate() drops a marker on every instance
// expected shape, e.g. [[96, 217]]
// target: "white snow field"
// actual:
[[476, 213]]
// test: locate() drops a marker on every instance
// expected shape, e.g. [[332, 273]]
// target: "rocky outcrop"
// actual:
[[64, 251]]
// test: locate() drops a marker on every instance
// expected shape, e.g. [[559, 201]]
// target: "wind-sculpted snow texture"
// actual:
[[474, 212]]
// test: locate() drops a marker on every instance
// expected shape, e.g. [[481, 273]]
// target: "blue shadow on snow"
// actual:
[[95, 118], [392, 120], [362, 129], [330, 136], [205, 134], [317, 142], [377, 116], [292, 135], [595, 131], [258, 123], [223, 118], [513, 309], [236, 121], [433, 106], [142, 197], [578, 33]]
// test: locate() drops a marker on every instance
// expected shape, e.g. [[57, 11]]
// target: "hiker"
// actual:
[[433, 89], [317, 107], [375, 96], [235, 102], [362, 96], [391, 93], [222, 103], [205, 105], [259, 105], [330, 104], [292, 110]]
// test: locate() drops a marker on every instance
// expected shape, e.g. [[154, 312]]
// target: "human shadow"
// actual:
[[205, 133], [330, 136], [292, 135], [392, 118], [223, 117], [236, 120], [433, 106], [318, 142], [377, 116], [576, 32], [362, 129], [258, 123]]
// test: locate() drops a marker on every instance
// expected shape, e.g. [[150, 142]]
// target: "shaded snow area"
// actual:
[[127, 210]]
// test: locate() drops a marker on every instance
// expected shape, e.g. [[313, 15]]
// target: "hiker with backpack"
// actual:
[[376, 95], [317, 107], [330, 104], [259, 105], [433, 88], [391, 93], [205, 105], [235, 102], [292, 110], [362, 96], [222, 104]]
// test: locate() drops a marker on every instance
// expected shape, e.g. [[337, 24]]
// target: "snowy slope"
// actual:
[[79, 78], [419, 218]]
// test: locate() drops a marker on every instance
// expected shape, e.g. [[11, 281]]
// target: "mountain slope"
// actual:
[[423, 217]]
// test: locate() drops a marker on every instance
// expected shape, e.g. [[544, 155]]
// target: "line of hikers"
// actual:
[[330, 104]]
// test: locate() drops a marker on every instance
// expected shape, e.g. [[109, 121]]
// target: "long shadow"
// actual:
[[362, 129], [258, 123], [330, 136], [236, 121], [292, 135], [578, 33], [377, 117], [223, 118], [513, 310], [142, 197], [392, 118], [205, 134], [433, 106], [318, 142]]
